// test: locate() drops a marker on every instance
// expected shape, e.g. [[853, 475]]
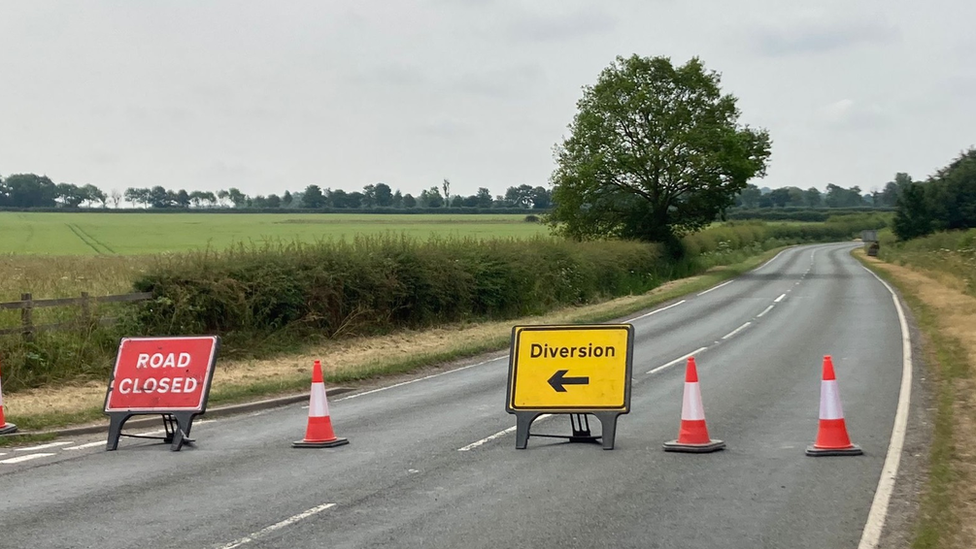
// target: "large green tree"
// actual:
[[654, 151]]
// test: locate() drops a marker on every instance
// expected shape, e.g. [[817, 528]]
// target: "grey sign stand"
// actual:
[[177, 425], [580, 424]]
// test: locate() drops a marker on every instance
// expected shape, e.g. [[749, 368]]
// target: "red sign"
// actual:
[[162, 374]]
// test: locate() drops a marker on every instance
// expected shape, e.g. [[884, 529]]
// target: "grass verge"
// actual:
[[357, 360], [949, 350]]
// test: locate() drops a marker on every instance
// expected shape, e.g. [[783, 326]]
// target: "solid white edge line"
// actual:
[[43, 446], [654, 312], [677, 360], [737, 330], [88, 445], [288, 521], [886, 484], [27, 457], [716, 287], [770, 308], [401, 384], [499, 434], [782, 297]]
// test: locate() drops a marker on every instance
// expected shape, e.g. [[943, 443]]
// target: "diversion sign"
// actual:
[[570, 369], [161, 375]]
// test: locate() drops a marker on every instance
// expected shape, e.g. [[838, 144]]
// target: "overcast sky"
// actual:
[[268, 96]]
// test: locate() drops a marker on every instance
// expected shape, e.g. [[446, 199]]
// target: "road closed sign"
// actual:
[[162, 374], [570, 369]]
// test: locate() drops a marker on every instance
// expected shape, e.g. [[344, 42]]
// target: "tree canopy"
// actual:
[[945, 201], [654, 151]]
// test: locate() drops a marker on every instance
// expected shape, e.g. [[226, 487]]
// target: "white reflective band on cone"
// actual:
[[830, 400], [691, 405], [319, 405]]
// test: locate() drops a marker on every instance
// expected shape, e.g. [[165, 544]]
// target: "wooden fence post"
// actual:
[[27, 317], [85, 309]]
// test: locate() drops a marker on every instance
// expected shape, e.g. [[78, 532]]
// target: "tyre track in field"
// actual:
[[95, 240], [88, 240]]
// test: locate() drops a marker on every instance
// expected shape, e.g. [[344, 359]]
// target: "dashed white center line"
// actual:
[[408, 382], [43, 446], [737, 330], [780, 298], [28, 457], [770, 308], [677, 360], [477, 443], [278, 526], [716, 287], [654, 312], [88, 445]]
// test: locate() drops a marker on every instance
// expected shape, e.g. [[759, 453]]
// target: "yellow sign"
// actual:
[[570, 369]]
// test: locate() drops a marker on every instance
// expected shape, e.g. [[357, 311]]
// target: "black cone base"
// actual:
[[711, 446], [854, 450], [327, 444], [8, 428]]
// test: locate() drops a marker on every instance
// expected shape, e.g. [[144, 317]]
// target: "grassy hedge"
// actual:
[[951, 252], [279, 298]]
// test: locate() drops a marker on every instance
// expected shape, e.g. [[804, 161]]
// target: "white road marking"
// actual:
[[88, 445], [654, 312], [499, 434], [677, 360], [716, 287], [886, 484], [737, 330], [770, 308], [278, 526], [43, 446], [775, 257], [401, 384], [28, 457], [780, 298]]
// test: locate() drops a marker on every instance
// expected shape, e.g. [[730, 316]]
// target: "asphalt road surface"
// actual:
[[432, 462]]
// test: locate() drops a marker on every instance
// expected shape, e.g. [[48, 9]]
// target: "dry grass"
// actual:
[[955, 318]]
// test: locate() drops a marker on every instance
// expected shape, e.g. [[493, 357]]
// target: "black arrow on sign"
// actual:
[[559, 379]]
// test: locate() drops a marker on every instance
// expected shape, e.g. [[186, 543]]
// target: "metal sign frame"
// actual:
[[525, 415]]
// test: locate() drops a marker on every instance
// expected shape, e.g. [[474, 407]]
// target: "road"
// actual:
[[432, 463]]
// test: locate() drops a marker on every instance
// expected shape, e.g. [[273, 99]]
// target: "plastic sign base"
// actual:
[[711, 446], [326, 444], [608, 422], [8, 428], [854, 450]]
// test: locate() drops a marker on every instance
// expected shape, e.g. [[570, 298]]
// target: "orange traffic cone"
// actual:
[[319, 432], [5, 427], [693, 435], [832, 439]]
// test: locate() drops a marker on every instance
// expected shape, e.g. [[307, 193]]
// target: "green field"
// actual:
[[149, 233]]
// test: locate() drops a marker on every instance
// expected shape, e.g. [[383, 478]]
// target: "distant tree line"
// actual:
[[836, 197], [38, 191], [945, 201]]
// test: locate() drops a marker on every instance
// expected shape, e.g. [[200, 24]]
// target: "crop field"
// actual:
[[149, 233]]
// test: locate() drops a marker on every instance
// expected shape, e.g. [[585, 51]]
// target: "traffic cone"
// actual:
[[5, 428], [832, 439], [693, 435], [319, 432]]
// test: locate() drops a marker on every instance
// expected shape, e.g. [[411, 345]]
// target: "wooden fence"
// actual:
[[27, 304]]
